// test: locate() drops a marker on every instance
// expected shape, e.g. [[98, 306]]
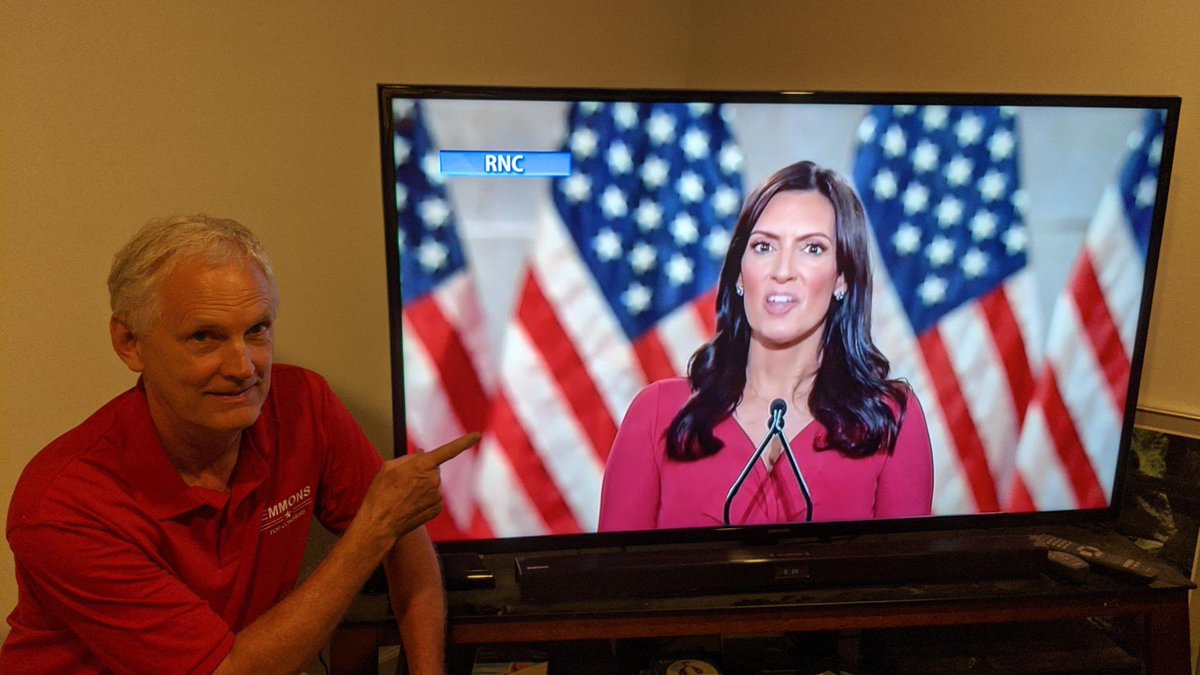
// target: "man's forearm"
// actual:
[[290, 634], [419, 602]]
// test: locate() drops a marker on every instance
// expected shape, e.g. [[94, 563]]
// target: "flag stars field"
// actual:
[[925, 157], [612, 202], [695, 144], [679, 270], [940, 251], [907, 239], [866, 129], [432, 255], [607, 245], [620, 161], [661, 128], [932, 290], [717, 243], [435, 212], [1154, 151], [730, 160], [642, 258], [400, 149], [992, 185], [401, 196], [637, 298], [684, 230], [649, 215], [691, 187], [726, 201], [1001, 145], [916, 198], [935, 117], [959, 170], [983, 225], [1016, 240], [969, 129], [625, 115], [974, 263], [577, 187], [583, 143], [949, 211], [884, 185], [1145, 192], [894, 143], [655, 172], [431, 164]]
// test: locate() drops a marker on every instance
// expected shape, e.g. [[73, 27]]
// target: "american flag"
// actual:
[[618, 292], [446, 363], [955, 306], [1068, 453]]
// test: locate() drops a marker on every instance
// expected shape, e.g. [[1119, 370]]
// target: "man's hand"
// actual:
[[405, 494]]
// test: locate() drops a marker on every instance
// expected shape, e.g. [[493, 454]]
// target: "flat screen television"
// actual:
[[551, 253]]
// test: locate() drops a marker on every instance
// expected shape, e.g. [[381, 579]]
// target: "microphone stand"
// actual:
[[774, 428], [787, 449], [737, 485]]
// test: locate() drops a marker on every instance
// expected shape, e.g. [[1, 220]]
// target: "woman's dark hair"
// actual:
[[852, 397]]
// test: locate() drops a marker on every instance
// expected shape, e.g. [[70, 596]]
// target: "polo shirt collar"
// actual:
[[158, 485]]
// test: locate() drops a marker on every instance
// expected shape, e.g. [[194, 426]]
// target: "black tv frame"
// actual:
[[798, 532]]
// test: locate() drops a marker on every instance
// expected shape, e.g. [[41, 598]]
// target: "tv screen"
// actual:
[[947, 294]]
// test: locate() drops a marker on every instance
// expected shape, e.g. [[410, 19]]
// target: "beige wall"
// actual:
[[112, 113]]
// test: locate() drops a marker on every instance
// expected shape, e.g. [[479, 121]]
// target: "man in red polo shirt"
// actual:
[[166, 532]]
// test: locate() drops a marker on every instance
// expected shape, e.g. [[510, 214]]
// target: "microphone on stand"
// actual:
[[778, 410], [787, 450], [776, 419], [774, 428]]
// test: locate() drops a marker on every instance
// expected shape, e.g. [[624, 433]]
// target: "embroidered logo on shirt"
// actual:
[[286, 511]]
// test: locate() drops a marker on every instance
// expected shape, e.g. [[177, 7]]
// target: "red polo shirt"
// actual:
[[122, 567]]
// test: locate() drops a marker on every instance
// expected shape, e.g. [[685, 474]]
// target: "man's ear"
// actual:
[[126, 344]]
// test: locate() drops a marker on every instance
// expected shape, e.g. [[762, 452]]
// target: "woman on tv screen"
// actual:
[[792, 358]]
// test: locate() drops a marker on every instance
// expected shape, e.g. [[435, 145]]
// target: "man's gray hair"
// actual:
[[142, 263]]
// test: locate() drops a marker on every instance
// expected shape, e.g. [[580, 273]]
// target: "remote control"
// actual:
[[1121, 565], [1068, 566]]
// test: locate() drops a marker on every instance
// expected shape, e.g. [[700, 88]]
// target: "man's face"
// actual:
[[206, 361]]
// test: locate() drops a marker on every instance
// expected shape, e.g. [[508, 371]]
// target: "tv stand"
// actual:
[[1156, 614]]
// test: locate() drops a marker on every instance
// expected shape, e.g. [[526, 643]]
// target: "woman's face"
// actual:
[[789, 269]]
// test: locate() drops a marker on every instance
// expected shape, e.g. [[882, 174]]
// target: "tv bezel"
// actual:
[[816, 531]]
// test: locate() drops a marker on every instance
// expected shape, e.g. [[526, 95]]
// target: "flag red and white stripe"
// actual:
[[447, 394], [979, 396], [447, 367], [617, 293], [955, 303], [1068, 456]]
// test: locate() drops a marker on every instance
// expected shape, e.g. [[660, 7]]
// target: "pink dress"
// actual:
[[643, 490]]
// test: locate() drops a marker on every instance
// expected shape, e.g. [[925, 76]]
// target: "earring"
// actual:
[[739, 290], [839, 295]]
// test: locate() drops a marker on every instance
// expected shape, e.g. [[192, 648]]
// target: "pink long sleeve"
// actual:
[[629, 497], [643, 489], [906, 483]]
